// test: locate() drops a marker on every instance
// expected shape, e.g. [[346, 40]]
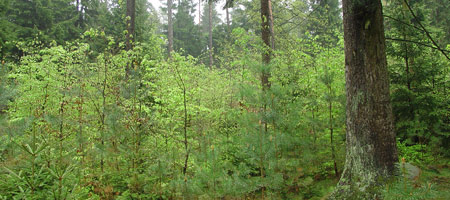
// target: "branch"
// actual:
[[404, 23], [419, 43], [424, 29], [307, 17]]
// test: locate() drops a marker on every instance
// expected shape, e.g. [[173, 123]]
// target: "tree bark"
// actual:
[[170, 27], [330, 112], [272, 32], [371, 148], [265, 36], [211, 60]]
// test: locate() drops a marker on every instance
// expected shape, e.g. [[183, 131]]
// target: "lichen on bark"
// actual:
[[371, 152]]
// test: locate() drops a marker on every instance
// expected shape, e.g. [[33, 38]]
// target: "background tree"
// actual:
[[416, 78], [72, 127], [170, 26], [210, 32], [187, 35], [208, 24], [130, 36], [324, 21], [265, 36], [6, 31], [48, 20]]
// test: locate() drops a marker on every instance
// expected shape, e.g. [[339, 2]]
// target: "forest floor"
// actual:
[[438, 176], [433, 183]]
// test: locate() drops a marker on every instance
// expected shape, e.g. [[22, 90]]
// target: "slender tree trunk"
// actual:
[[77, 4], [228, 20], [265, 36], [131, 17], [371, 148], [170, 27], [103, 115], [406, 57], [265, 73], [81, 17], [80, 124], [314, 127], [330, 112], [199, 11], [272, 33], [185, 134], [61, 137], [211, 60]]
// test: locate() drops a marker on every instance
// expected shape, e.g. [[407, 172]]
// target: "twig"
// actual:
[[424, 29], [404, 23], [415, 42]]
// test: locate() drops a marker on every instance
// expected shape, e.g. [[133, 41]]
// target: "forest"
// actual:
[[224, 99]]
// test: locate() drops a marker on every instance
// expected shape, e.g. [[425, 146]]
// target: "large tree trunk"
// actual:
[[371, 147], [131, 18], [265, 36], [170, 27], [211, 60]]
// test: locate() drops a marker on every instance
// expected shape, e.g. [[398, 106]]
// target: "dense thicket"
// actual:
[[74, 126]]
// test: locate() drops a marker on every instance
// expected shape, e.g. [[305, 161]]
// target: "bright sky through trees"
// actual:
[[219, 8]]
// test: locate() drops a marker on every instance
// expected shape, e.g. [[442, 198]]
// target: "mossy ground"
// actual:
[[433, 183]]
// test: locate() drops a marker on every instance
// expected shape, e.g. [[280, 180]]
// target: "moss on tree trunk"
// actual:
[[371, 148]]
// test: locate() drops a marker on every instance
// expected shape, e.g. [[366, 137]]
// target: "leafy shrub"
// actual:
[[417, 153]]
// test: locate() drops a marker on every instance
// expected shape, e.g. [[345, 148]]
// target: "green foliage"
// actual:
[[406, 190], [421, 186], [187, 39], [54, 19], [62, 21], [324, 21], [166, 120], [74, 126], [418, 154], [418, 77]]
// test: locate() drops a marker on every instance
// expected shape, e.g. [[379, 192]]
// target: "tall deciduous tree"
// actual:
[[371, 146]]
